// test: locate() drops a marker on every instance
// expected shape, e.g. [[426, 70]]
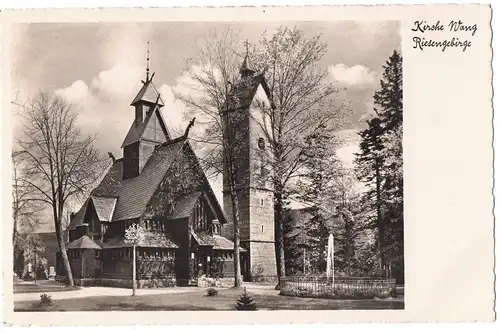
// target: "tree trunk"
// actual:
[[380, 221], [134, 279], [236, 236], [34, 260], [280, 249], [64, 254]]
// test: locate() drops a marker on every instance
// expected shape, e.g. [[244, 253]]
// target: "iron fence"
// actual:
[[340, 287]]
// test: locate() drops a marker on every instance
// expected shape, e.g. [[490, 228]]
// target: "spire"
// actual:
[[147, 65], [246, 69]]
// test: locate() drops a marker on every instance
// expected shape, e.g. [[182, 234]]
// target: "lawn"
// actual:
[[41, 286], [198, 301]]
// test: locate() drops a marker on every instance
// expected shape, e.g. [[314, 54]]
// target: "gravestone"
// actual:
[[52, 272]]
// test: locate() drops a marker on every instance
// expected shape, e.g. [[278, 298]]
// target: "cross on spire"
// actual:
[[246, 46], [147, 65], [246, 69]]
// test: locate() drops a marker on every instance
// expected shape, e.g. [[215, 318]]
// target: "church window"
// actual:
[[262, 228], [261, 201]]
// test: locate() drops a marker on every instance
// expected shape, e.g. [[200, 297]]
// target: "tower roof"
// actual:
[[246, 66], [148, 93]]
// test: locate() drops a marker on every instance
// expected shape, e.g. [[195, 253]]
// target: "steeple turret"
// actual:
[[246, 69], [148, 129]]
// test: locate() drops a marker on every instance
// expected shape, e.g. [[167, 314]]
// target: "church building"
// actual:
[[160, 185]]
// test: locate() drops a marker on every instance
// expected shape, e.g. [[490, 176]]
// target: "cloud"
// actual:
[[353, 75], [103, 105], [77, 93]]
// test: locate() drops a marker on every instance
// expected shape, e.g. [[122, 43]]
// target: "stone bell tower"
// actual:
[[252, 179]]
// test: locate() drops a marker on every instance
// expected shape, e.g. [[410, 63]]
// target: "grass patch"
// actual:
[[43, 287], [198, 301]]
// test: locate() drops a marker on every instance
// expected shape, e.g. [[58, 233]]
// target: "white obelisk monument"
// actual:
[[330, 265]]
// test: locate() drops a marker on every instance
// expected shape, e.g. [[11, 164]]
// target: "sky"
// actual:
[[98, 67]]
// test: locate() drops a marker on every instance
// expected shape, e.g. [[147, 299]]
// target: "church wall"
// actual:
[[90, 265], [239, 135], [222, 265], [131, 161], [145, 151]]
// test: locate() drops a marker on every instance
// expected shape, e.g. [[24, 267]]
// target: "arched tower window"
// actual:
[[262, 143]]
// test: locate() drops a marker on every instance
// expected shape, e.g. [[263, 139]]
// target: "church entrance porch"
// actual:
[[201, 257]]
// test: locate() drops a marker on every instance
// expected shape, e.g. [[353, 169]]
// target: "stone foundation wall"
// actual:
[[262, 261]]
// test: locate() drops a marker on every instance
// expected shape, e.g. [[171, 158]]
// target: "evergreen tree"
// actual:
[[379, 164], [369, 163], [390, 101], [245, 302]]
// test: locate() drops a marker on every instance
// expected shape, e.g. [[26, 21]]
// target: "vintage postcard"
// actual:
[[170, 161]]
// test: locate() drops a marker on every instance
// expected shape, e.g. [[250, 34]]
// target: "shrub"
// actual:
[[211, 292], [45, 300], [245, 302]]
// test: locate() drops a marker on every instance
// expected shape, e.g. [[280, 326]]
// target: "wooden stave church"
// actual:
[[188, 233]]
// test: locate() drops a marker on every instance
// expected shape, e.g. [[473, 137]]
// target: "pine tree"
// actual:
[[379, 164], [245, 302], [390, 101], [369, 167]]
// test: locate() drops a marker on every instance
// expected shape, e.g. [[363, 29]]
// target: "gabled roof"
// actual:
[[104, 207], [134, 194], [79, 217], [148, 93], [207, 188], [83, 243], [246, 66], [185, 206], [243, 92], [136, 132], [203, 238], [151, 239], [224, 244]]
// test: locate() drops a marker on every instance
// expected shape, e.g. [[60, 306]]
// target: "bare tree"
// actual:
[[60, 162], [212, 73], [305, 102]]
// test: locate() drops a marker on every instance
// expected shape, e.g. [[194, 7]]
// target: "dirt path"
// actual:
[[102, 291]]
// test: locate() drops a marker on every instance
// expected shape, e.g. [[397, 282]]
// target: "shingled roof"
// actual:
[[78, 218], [134, 194], [104, 207], [203, 238], [243, 92], [148, 93], [184, 207], [224, 244], [136, 132], [151, 239], [83, 243]]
